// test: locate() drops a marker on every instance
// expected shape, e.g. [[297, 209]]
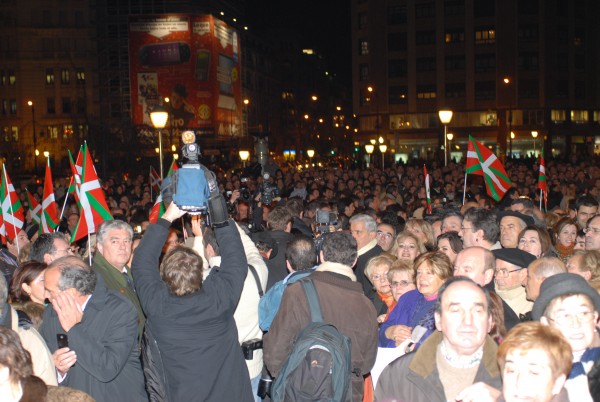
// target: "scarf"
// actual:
[[564, 252], [389, 302]]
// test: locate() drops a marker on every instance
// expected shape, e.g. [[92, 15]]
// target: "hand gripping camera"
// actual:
[[194, 188]]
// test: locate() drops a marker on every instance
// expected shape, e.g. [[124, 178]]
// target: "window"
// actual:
[[4, 107], [363, 72], [15, 133], [398, 95], [558, 116], [363, 20], [397, 68], [528, 89], [80, 76], [425, 38], [528, 33], [81, 106], [561, 90], [580, 92], [426, 10], [528, 61], [485, 90], [454, 7], [485, 35], [455, 90], [426, 92], [484, 8], [533, 117], [363, 47], [578, 36], [456, 35], [365, 98], [12, 78], [66, 105], [67, 130], [397, 14], [455, 63], [426, 64], [485, 62], [65, 77], [579, 116], [50, 106], [397, 41], [52, 132], [13, 106], [49, 76]]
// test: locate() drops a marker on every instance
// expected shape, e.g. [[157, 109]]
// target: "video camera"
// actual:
[[324, 219], [244, 191], [194, 188], [268, 191]]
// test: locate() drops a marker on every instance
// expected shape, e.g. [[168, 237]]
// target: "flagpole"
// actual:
[[10, 207], [150, 177], [89, 245], [62, 212], [465, 188], [541, 196]]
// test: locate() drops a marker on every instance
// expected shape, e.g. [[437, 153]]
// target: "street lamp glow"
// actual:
[[37, 152], [30, 103], [381, 140], [159, 117], [46, 154], [306, 116], [534, 134], [246, 101], [338, 108], [450, 136], [383, 148], [512, 135], [310, 153], [370, 88], [314, 97], [369, 148], [506, 80], [173, 148], [445, 118], [373, 141]]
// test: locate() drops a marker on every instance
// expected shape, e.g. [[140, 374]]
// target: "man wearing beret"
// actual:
[[511, 264], [511, 224]]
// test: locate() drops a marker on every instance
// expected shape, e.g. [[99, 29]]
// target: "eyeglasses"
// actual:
[[505, 272], [400, 284], [464, 228], [591, 229], [66, 251], [378, 277], [384, 234], [567, 319], [356, 232]]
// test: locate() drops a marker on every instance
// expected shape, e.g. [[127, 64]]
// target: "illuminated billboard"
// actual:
[[192, 60]]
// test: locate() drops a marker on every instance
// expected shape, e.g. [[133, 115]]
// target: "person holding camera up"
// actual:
[[191, 341]]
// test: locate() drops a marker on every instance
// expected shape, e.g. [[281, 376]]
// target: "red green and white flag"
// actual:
[[157, 210], [542, 183], [35, 208], [76, 170], [427, 189], [154, 180], [49, 215], [482, 162], [12, 216], [94, 209], [173, 168]]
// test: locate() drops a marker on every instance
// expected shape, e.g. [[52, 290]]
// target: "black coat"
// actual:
[[108, 363], [277, 266], [197, 349], [359, 271]]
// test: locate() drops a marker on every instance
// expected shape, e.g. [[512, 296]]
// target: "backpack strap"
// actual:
[[256, 279], [313, 300]]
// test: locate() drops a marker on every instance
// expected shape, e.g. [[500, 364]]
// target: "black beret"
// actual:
[[525, 218], [515, 256]]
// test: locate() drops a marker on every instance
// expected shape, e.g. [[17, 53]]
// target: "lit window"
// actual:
[[65, 77]]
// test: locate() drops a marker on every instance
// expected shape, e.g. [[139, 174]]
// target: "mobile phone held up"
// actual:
[[62, 340]]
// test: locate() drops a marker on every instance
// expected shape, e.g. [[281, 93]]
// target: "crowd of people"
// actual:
[[477, 300]]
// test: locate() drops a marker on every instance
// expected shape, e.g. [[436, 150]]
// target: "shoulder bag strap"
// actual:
[[256, 279], [313, 300]]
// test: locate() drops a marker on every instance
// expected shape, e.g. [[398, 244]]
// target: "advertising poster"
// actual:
[[192, 60]]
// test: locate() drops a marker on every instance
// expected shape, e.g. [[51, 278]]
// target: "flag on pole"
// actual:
[[76, 170], [94, 209], [427, 190], [157, 210], [12, 211], [49, 215], [173, 168], [542, 183], [35, 208], [482, 162], [154, 180]]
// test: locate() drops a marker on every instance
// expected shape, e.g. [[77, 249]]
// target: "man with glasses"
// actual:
[[511, 272], [592, 234], [479, 228], [49, 247], [385, 236]]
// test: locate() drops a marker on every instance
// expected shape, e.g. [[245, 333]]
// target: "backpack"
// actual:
[[319, 367]]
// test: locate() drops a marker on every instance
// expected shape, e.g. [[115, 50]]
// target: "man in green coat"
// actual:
[[113, 250]]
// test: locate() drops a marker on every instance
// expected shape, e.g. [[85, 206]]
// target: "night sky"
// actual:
[[323, 25]]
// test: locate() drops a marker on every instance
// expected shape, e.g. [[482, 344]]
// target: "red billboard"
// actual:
[[194, 61]]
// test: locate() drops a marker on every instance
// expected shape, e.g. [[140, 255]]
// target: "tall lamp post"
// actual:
[[35, 151], [534, 134], [445, 118], [512, 137], [383, 148], [450, 136], [244, 155], [369, 148], [159, 117], [310, 153]]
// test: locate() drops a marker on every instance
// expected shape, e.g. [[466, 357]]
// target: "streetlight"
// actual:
[[445, 118], [372, 91], [373, 141], [30, 103], [46, 154], [510, 117], [159, 117], [512, 137], [246, 102], [244, 155], [450, 136], [534, 134], [383, 148], [310, 153], [369, 148]]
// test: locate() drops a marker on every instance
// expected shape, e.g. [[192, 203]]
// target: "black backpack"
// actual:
[[319, 367]]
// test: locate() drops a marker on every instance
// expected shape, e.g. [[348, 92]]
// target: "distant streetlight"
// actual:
[[445, 118], [46, 154], [534, 134], [380, 140], [512, 137], [244, 156], [369, 148], [314, 98], [450, 137], [30, 103], [373, 141], [383, 148], [159, 117]]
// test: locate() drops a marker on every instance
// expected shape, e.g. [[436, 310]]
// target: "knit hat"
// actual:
[[515, 256], [560, 285]]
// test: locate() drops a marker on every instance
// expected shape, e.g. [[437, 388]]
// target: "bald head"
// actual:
[[538, 271], [476, 263]]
